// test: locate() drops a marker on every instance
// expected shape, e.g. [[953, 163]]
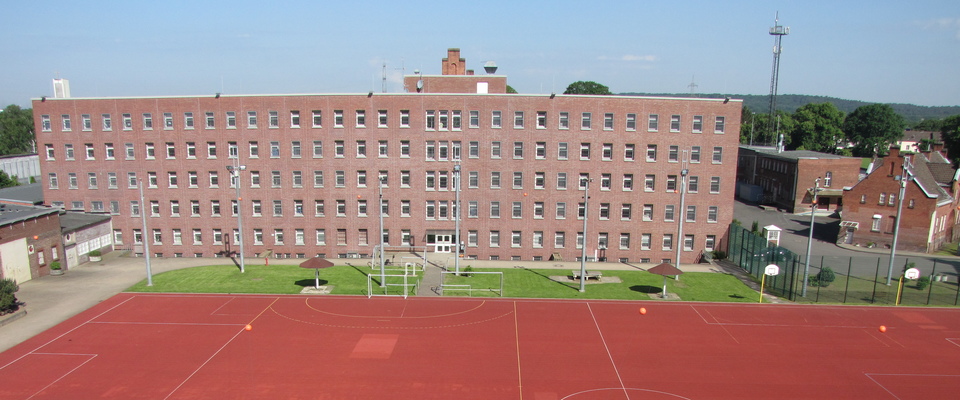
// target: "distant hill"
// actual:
[[790, 103]]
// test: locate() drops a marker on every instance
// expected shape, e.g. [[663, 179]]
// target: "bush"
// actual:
[[825, 277], [95, 253], [467, 271], [923, 282], [8, 301], [719, 255], [55, 265]]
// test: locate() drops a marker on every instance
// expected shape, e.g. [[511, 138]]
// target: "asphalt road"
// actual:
[[860, 262]]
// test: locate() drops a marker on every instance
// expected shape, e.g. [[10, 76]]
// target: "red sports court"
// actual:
[[173, 346]]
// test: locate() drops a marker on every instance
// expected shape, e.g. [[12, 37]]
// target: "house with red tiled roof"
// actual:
[[928, 213]]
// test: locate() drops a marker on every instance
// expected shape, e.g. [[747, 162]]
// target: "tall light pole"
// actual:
[[456, 219], [682, 212], [383, 273], [583, 248], [235, 175], [813, 216], [905, 177], [143, 237]]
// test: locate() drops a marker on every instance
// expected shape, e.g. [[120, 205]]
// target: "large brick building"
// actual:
[[929, 213], [312, 165]]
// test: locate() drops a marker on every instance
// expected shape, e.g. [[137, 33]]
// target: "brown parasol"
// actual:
[[665, 269], [316, 263]]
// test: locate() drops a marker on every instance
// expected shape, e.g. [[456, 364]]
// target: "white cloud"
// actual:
[[941, 24], [630, 57]]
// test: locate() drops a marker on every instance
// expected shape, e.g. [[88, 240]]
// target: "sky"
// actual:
[[877, 51]]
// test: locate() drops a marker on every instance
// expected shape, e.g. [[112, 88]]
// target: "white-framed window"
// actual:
[[585, 121], [653, 123], [675, 123]]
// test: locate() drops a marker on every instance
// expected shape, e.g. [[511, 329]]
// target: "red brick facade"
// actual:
[[36, 236], [322, 177], [929, 206]]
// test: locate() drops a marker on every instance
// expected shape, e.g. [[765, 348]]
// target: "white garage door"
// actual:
[[16, 261]]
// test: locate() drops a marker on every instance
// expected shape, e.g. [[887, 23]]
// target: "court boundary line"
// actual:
[[870, 376], [603, 340], [307, 303], [207, 361], [625, 390], [67, 332], [90, 355], [391, 326]]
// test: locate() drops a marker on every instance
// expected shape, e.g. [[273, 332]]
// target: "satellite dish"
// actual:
[[420, 84]]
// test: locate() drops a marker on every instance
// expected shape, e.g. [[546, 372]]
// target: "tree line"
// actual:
[[16, 136]]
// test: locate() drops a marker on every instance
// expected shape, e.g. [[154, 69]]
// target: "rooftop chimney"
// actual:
[[453, 64]]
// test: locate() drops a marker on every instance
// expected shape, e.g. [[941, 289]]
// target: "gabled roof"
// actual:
[[924, 176]]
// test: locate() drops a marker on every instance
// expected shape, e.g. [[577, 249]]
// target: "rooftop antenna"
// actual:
[[693, 86], [383, 84], [778, 32]]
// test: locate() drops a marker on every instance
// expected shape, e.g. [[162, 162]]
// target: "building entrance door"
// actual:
[[441, 242]]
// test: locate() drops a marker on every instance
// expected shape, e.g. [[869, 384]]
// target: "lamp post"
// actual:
[[143, 237], [383, 273], [813, 216], [583, 248], [905, 177], [235, 175], [682, 211], [456, 219]]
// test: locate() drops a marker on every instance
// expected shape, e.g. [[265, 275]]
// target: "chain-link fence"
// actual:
[[844, 279]]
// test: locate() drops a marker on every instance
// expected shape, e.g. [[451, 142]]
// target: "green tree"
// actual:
[[16, 130], [747, 125], [817, 128], [950, 132], [932, 124], [873, 128], [511, 90], [586, 87], [7, 180], [782, 125]]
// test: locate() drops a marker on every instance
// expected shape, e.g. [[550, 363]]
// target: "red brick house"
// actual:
[[929, 210]]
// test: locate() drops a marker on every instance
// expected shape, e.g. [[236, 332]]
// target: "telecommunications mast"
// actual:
[[778, 31]]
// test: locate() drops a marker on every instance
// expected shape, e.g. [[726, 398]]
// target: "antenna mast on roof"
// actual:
[[778, 31], [693, 86]]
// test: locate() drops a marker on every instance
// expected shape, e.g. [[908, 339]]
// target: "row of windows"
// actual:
[[433, 150], [433, 209], [433, 180], [434, 120], [535, 239]]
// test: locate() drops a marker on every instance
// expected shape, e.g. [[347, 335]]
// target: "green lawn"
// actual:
[[274, 279], [519, 282], [536, 283]]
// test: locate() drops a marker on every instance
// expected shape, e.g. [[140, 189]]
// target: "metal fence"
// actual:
[[856, 280]]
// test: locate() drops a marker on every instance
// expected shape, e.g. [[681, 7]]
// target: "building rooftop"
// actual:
[[72, 221], [12, 213], [793, 154], [31, 194]]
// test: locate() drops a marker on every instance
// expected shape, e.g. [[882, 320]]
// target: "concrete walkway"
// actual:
[[51, 300]]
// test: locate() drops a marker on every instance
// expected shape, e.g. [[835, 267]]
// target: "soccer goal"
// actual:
[[472, 283], [395, 285]]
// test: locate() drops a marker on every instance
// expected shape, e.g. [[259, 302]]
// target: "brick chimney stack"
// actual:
[[454, 64]]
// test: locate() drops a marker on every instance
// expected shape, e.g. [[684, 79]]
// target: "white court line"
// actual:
[[717, 322], [162, 323], [92, 356], [239, 331], [67, 332], [870, 376], [954, 341], [626, 389], [607, 348], [222, 306]]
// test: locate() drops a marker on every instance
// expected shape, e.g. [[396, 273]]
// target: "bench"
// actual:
[[588, 275]]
